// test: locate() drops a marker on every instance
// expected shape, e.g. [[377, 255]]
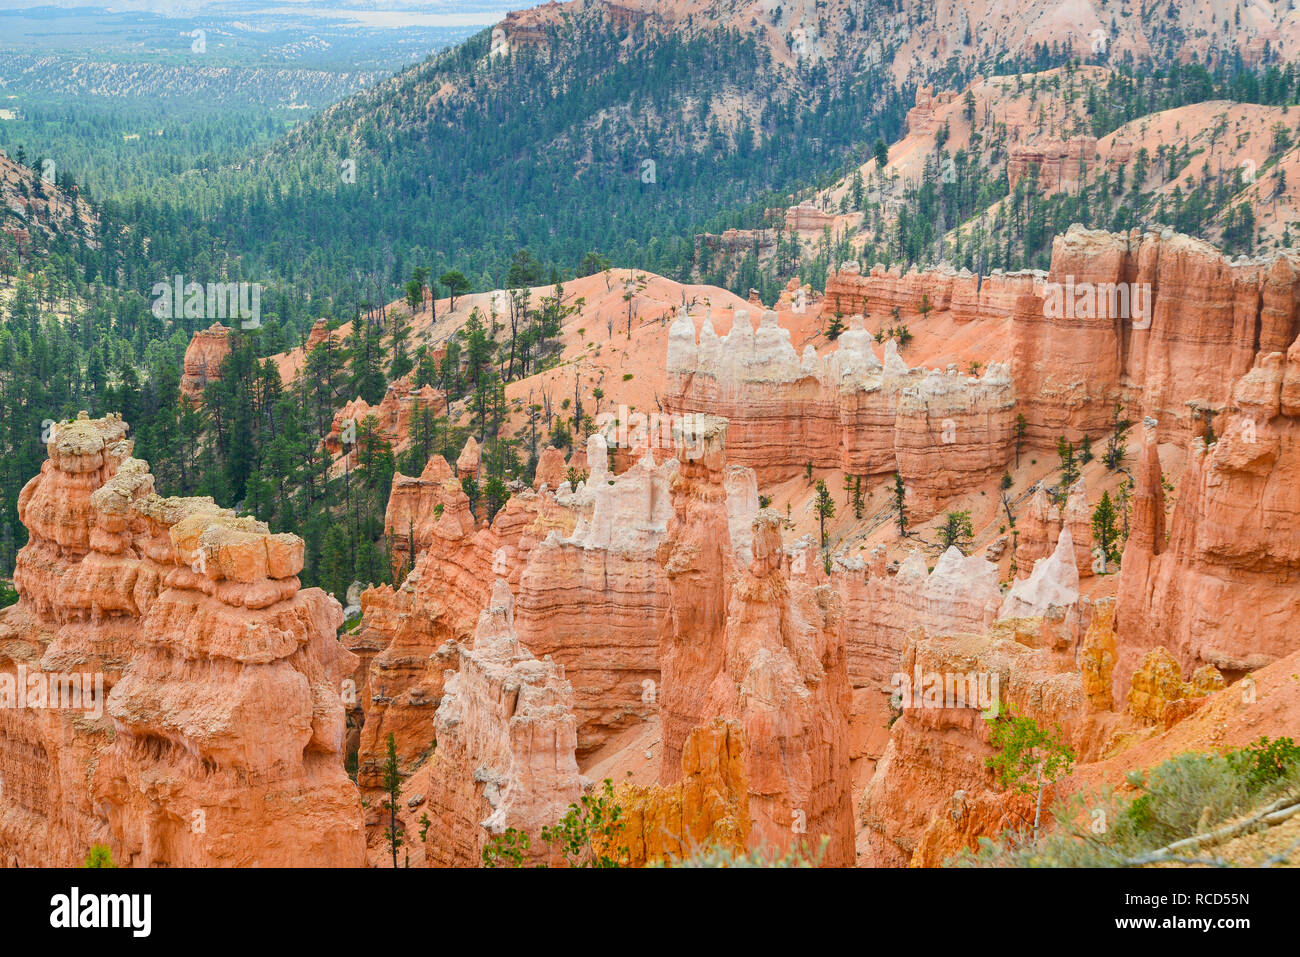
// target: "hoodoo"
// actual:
[[221, 739]]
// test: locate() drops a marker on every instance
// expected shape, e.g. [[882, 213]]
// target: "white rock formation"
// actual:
[[959, 591], [512, 715], [742, 508], [1053, 582]]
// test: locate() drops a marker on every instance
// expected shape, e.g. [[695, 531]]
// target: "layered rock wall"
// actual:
[[1221, 584], [1163, 324], [1057, 165], [596, 601], [961, 594], [886, 293], [944, 432]]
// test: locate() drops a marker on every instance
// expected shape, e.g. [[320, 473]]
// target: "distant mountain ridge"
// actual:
[[623, 128]]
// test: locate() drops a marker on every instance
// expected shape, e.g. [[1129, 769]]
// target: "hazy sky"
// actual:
[[448, 12]]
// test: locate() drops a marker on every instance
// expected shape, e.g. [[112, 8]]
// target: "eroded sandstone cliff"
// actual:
[[944, 432], [506, 737], [1218, 585], [744, 642], [203, 358], [220, 738]]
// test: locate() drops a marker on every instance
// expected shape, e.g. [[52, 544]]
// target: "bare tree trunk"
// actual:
[[1038, 806]]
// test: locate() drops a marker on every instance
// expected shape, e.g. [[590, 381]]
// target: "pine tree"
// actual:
[[393, 787], [398, 335], [1069, 466], [335, 567], [100, 855], [825, 506], [1105, 534], [900, 496], [1115, 450], [957, 530], [365, 360], [456, 283]]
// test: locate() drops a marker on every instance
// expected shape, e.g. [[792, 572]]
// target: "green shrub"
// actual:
[[715, 856], [1266, 762], [101, 855], [507, 849], [588, 833], [1184, 796], [1188, 794]]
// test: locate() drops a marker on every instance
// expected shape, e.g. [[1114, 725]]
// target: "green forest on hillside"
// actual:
[[1020, 236]]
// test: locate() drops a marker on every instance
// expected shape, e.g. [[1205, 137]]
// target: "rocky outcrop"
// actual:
[[220, 741], [422, 510], [944, 432], [505, 743], [738, 242], [1053, 582], [405, 413], [1220, 587], [1097, 656], [890, 292], [203, 358], [1056, 165], [920, 117], [932, 794], [744, 642], [468, 462], [1163, 323], [590, 595], [319, 333], [991, 298], [807, 217], [961, 594], [399, 683], [1158, 694], [551, 469], [1067, 366], [1040, 526], [437, 603], [595, 601], [708, 807], [953, 434]]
